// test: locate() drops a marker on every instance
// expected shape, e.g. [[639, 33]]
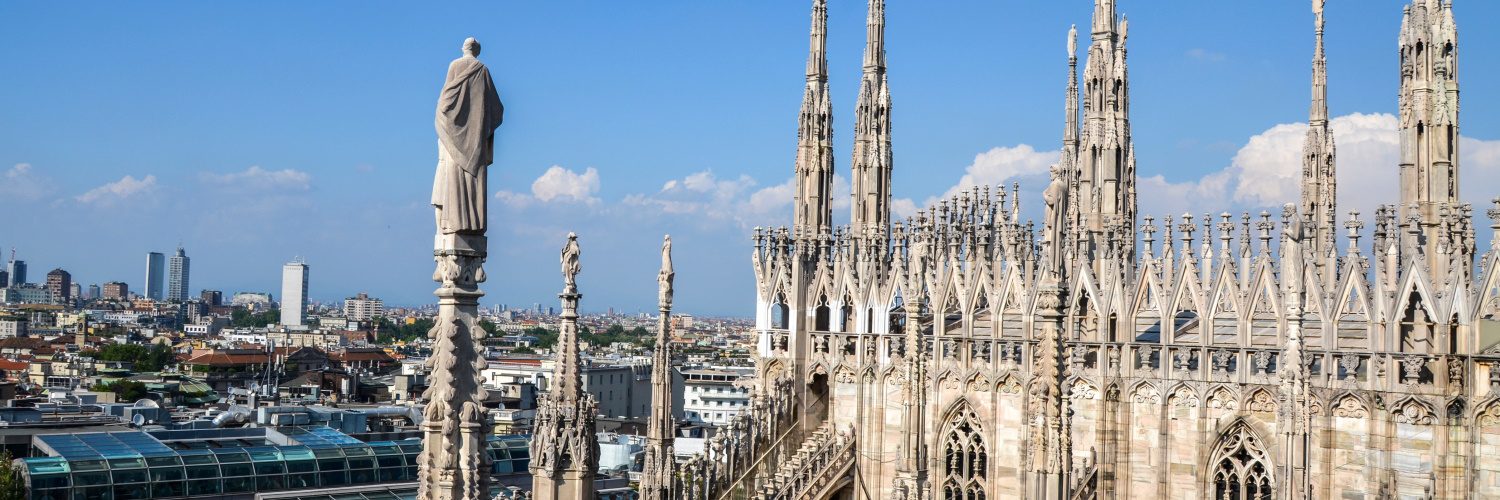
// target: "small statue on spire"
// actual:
[[664, 278], [570, 265]]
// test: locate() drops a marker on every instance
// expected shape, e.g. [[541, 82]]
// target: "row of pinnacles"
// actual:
[[966, 353]]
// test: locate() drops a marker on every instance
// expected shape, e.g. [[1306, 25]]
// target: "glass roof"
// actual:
[[319, 437]]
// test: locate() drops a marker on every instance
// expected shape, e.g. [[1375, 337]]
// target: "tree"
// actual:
[[523, 350], [242, 318], [12, 485], [125, 390], [144, 359]]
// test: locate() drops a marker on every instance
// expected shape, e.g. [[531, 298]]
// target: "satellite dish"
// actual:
[[138, 420], [253, 385], [146, 403]]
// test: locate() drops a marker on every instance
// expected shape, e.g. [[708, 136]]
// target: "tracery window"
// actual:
[[965, 459], [1240, 467]]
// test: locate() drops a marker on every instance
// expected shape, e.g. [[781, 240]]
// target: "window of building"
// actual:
[[965, 459]]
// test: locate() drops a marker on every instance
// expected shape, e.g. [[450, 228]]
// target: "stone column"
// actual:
[[453, 463]]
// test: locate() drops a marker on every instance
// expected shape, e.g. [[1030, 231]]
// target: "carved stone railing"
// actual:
[[734, 460], [822, 461]]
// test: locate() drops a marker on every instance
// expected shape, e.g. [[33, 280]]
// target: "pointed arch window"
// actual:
[[1240, 467], [965, 459], [779, 313]]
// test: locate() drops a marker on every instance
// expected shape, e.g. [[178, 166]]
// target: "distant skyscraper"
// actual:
[[93, 292], [60, 285], [76, 292], [116, 290], [156, 267], [17, 271], [4, 278], [293, 293], [213, 298], [177, 276]]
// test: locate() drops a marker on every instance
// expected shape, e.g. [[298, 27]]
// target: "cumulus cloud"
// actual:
[[256, 177], [1000, 165], [22, 183], [557, 184], [1267, 171], [735, 200], [125, 188]]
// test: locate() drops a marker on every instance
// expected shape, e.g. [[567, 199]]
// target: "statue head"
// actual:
[[471, 47]]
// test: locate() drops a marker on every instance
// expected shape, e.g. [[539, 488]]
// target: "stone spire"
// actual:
[[1060, 196], [1429, 123], [564, 447], [1319, 182], [658, 468], [814, 168], [1105, 192], [1070, 131], [911, 481], [871, 166]]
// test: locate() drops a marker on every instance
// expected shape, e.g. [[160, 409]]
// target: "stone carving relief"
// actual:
[[1263, 402], [1414, 412], [1184, 398], [1490, 415], [1221, 398], [1146, 394], [1350, 407]]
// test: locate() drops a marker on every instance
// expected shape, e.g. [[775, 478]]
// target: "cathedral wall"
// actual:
[[1008, 435], [1142, 447], [1487, 452]]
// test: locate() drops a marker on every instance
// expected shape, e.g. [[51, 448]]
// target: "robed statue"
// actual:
[[665, 276], [1054, 197], [468, 112], [569, 260]]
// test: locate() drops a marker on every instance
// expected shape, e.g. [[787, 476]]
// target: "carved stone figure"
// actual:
[[665, 276], [468, 112], [570, 266]]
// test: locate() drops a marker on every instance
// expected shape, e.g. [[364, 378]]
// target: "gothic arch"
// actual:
[[1240, 466], [1488, 414], [1413, 411], [965, 467]]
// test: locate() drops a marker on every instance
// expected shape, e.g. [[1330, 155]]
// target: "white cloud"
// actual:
[[557, 184], [125, 188], [22, 183], [1202, 54], [1266, 171], [256, 177], [1000, 165]]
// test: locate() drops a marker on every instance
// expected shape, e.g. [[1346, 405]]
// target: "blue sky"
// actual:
[[254, 133]]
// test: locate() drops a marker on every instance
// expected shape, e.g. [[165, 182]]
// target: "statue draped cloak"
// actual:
[[468, 111]]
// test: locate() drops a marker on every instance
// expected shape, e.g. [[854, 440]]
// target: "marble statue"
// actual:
[[468, 112], [665, 276], [569, 260]]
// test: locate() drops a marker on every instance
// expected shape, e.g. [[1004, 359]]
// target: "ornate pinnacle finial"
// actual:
[[1186, 228], [1150, 229], [570, 265], [1494, 213], [1354, 225], [817, 58], [1265, 225], [666, 275]]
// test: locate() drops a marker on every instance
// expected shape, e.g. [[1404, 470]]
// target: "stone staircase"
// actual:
[[821, 463]]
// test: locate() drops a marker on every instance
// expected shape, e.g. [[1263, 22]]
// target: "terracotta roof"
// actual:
[[9, 365], [230, 358], [22, 343], [348, 355]]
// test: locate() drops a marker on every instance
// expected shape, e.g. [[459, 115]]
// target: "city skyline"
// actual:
[[624, 162]]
